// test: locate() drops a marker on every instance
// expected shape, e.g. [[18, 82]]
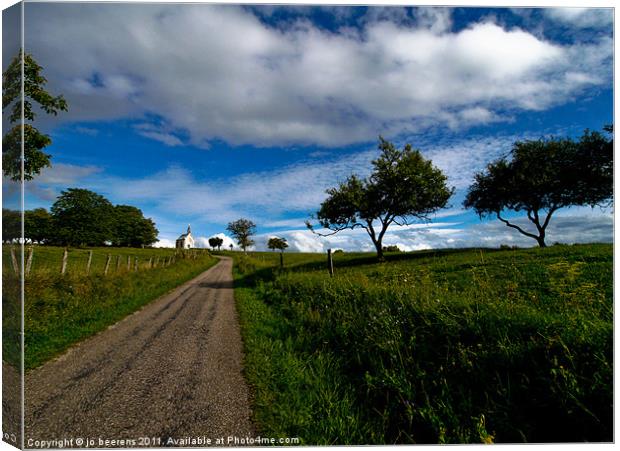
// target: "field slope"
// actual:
[[454, 346]]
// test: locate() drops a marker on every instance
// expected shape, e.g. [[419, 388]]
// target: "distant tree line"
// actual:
[[80, 217]]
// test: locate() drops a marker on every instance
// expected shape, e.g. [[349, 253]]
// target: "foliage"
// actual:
[[453, 346], [61, 310], [277, 243], [131, 228], [34, 141], [543, 176], [216, 241], [392, 248], [403, 186], [11, 225], [82, 218], [242, 230], [38, 225]]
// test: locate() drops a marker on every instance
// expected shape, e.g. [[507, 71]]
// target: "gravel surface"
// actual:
[[170, 372]]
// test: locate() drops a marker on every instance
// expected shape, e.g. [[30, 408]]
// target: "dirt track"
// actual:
[[170, 371]]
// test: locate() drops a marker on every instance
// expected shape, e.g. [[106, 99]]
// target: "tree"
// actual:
[[403, 186], [38, 225], [34, 141], [242, 229], [83, 218], [11, 225], [277, 243], [131, 228], [216, 241], [543, 176]]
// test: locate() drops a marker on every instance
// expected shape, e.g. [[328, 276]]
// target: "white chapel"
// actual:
[[185, 241]]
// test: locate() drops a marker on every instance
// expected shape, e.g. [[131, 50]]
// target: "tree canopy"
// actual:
[[402, 187], [541, 176], [242, 230], [11, 225], [216, 241], [38, 225], [131, 228], [277, 243], [34, 141], [80, 217], [83, 218]]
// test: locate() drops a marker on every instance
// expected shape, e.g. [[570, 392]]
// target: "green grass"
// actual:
[[61, 310], [454, 346]]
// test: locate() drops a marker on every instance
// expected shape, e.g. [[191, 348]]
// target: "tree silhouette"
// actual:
[[543, 176], [277, 243], [402, 187], [242, 229]]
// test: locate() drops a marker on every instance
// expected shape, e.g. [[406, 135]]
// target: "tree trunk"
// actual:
[[541, 239], [379, 246]]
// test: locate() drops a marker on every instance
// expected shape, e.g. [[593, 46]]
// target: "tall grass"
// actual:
[[433, 347], [60, 310]]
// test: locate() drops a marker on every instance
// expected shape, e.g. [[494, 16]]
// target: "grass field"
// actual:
[[454, 346], [61, 310]]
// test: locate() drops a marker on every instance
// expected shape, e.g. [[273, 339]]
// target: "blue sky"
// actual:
[[203, 114]]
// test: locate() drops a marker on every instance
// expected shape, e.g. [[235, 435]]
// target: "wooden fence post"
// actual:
[[330, 263], [65, 255], [14, 261], [151, 263], [90, 259], [29, 262], [135, 266], [107, 265], [156, 261], [128, 263], [118, 262]]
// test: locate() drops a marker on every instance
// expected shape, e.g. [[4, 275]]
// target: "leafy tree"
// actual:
[[403, 186], [277, 243], [543, 176], [38, 225], [11, 225], [131, 228], [242, 229], [34, 141], [83, 218], [392, 248], [216, 241]]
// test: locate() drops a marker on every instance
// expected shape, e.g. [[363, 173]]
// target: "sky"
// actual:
[[202, 114]]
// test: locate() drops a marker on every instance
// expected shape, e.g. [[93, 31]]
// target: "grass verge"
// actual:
[[433, 347]]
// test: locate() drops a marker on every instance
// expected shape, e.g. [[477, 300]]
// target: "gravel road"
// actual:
[[169, 372]]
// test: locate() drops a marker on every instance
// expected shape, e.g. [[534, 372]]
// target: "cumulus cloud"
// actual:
[[301, 84], [164, 242]]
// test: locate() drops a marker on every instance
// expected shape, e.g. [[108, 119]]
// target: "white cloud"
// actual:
[[66, 174], [163, 242], [301, 84]]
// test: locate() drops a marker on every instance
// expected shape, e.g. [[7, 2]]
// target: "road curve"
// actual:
[[170, 371]]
